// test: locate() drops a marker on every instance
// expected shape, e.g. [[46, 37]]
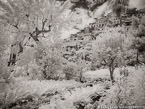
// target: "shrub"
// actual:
[[34, 71], [51, 66], [127, 91], [71, 71], [50, 61]]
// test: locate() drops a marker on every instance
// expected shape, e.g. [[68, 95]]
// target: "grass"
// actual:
[[71, 92], [73, 97], [103, 74], [37, 87]]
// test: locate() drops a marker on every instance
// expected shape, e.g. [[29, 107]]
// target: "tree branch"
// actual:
[[43, 24]]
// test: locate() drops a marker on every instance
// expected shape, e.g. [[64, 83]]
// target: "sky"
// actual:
[[137, 4]]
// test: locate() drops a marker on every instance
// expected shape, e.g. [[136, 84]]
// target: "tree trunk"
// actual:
[[120, 21], [27, 69], [81, 77], [111, 74], [111, 69], [137, 58]]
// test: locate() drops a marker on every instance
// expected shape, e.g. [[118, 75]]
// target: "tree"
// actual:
[[3, 40], [32, 19], [118, 7], [4, 71], [138, 29], [4, 43], [109, 51]]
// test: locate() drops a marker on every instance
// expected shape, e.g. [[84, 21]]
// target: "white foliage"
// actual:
[[82, 94], [40, 87]]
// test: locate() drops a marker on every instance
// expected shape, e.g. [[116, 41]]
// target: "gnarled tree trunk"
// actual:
[[111, 69]]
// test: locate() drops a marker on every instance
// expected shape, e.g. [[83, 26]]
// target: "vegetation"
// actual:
[[100, 68], [110, 52], [139, 40]]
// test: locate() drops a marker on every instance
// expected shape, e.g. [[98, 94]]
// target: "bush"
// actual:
[[51, 66], [49, 60], [34, 71], [95, 65], [129, 90], [71, 71]]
